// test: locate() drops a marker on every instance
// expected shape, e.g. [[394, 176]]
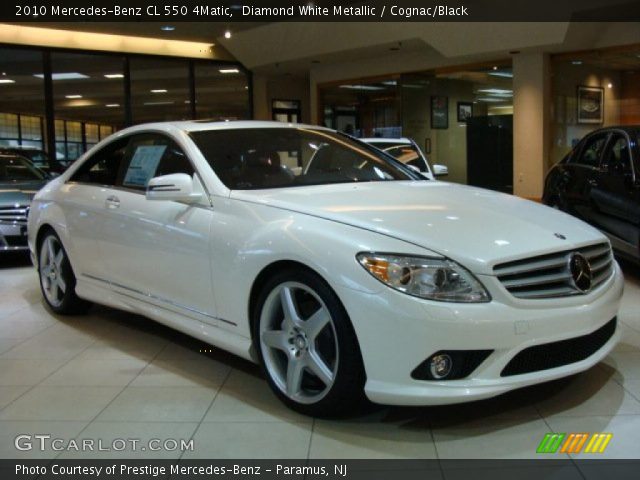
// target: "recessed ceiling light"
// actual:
[[500, 92], [501, 74], [112, 105], [609, 85], [576, 62], [72, 96], [495, 67], [64, 76], [227, 34], [167, 28], [361, 87], [114, 75], [229, 70], [7, 80], [159, 90]]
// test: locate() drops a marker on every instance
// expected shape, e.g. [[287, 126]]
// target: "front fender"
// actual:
[[329, 248]]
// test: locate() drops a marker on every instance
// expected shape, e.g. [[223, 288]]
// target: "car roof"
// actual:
[[204, 125], [625, 128]]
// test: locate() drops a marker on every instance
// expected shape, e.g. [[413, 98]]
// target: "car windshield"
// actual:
[[258, 158], [16, 169], [406, 153]]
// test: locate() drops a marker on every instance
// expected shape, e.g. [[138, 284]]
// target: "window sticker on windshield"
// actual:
[[143, 165]]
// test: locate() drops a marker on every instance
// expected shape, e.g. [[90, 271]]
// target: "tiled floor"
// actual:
[[111, 375]]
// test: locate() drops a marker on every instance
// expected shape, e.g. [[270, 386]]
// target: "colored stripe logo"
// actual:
[[574, 443]]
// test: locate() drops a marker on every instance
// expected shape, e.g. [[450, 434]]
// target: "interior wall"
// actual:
[[448, 146], [269, 88], [566, 77], [531, 89], [630, 98]]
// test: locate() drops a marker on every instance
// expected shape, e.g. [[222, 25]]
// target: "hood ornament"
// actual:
[[560, 236]]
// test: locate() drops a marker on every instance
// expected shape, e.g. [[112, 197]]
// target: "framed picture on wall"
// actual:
[[590, 104], [439, 112], [465, 111]]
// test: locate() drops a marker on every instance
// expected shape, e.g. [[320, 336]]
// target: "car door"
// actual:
[[614, 194], [580, 174], [157, 251], [84, 203]]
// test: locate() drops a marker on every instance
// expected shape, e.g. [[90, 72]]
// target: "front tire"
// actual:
[[57, 280], [307, 346]]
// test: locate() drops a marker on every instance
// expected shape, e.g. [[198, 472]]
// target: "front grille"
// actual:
[[548, 276], [557, 354], [14, 214]]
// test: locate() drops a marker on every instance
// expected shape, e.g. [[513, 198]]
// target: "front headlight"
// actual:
[[430, 278]]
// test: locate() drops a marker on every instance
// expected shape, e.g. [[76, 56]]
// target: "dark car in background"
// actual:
[[599, 182], [20, 180]]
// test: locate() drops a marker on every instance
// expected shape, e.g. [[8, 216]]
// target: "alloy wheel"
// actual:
[[52, 257], [299, 342]]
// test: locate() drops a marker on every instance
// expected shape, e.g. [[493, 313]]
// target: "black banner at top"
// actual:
[[319, 11]]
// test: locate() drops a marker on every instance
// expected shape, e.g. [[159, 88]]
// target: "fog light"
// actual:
[[440, 366]]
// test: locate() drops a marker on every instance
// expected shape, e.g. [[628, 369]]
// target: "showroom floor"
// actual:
[[113, 375]]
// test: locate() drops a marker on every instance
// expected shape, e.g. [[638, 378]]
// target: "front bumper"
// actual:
[[397, 332]]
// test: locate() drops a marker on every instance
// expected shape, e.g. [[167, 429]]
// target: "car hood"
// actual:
[[18, 193], [475, 227]]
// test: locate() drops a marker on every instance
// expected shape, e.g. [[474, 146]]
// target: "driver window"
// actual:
[[592, 151], [618, 157], [152, 155]]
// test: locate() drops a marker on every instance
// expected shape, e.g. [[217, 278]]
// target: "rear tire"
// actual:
[[57, 280], [306, 344]]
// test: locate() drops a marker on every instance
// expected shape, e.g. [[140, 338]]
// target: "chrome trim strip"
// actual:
[[154, 297]]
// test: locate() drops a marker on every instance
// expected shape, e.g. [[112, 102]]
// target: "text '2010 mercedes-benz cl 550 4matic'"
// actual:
[[340, 270]]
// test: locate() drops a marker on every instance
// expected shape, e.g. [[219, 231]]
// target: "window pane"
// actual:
[[87, 89], [21, 98], [92, 133], [219, 95], [159, 90]]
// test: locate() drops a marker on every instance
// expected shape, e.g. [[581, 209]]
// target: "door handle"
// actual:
[[112, 202]]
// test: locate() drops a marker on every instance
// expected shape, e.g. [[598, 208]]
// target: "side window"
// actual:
[[102, 168], [152, 155], [590, 154], [617, 159]]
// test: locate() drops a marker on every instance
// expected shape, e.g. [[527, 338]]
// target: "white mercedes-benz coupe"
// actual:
[[337, 268]]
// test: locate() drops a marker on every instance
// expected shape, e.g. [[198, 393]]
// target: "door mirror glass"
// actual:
[[440, 170], [176, 187]]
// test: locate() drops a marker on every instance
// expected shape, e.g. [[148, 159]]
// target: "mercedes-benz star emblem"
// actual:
[[560, 236], [580, 272]]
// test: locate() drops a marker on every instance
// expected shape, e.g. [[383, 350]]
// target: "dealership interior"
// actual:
[[498, 104]]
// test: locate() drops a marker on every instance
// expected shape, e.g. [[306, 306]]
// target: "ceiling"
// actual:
[[189, 31]]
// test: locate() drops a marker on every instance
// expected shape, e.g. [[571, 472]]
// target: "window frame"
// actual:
[[576, 159], [614, 135]]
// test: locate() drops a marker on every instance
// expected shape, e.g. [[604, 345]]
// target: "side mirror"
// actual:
[[440, 170], [177, 187]]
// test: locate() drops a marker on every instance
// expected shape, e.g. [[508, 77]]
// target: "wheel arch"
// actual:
[[42, 230], [263, 277]]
